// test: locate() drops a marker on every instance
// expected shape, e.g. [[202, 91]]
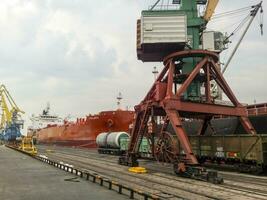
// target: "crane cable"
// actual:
[[240, 25], [250, 16], [233, 12]]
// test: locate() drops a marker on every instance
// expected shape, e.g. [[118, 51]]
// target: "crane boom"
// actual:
[[211, 6], [8, 106], [253, 15], [6, 115], [11, 101]]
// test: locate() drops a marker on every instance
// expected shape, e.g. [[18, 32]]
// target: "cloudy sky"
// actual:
[[78, 54]]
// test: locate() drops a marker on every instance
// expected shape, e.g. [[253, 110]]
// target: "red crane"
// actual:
[[168, 100]]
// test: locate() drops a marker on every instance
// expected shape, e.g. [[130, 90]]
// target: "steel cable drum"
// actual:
[[101, 139], [113, 139]]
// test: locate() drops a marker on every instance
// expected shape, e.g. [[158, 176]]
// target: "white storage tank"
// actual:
[[111, 139], [160, 33], [101, 139]]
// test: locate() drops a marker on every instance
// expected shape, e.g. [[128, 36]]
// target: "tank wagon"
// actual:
[[244, 153], [111, 142], [116, 143]]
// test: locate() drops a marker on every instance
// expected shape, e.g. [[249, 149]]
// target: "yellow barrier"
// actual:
[[138, 170]]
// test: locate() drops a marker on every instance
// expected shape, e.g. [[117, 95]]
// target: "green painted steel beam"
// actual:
[[195, 25]]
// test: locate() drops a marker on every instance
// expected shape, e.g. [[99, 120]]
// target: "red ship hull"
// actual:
[[83, 133]]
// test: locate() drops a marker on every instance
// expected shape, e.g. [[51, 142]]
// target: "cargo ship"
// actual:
[[43, 120], [83, 132]]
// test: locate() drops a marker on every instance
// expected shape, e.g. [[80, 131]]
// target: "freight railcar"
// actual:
[[245, 153], [144, 148], [116, 143], [111, 142]]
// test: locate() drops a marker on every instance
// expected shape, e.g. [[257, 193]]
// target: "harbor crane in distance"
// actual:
[[11, 122], [177, 36]]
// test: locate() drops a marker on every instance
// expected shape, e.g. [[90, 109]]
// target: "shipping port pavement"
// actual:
[[22, 177]]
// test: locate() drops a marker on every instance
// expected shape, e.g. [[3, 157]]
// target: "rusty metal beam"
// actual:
[[225, 87], [191, 53], [160, 77], [181, 134], [205, 108], [207, 84], [170, 80], [171, 106], [191, 77], [247, 125]]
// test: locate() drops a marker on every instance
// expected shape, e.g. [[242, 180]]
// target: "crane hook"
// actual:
[[261, 25]]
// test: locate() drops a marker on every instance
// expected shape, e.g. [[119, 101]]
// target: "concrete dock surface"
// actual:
[[22, 177]]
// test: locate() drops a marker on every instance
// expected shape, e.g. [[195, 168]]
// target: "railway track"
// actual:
[[176, 187], [228, 186], [160, 167], [134, 180], [240, 182]]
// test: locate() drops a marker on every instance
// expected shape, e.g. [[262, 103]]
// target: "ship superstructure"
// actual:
[[43, 120]]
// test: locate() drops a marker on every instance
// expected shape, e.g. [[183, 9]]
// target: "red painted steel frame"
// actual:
[[163, 99]]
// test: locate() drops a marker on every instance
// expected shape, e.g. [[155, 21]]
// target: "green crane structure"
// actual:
[[195, 25]]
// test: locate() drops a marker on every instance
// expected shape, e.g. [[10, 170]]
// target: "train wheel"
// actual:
[[166, 148]]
